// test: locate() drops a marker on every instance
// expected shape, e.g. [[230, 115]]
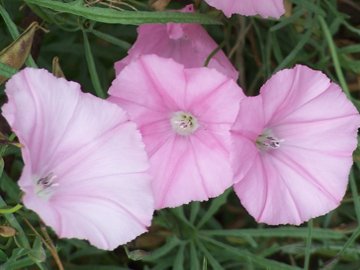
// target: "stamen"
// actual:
[[184, 123], [45, 186], [268, 141]]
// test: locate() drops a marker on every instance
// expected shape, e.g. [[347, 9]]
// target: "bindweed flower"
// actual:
[[188, 44], [85, 170], [264, 8], [185, 117], [293, 147]]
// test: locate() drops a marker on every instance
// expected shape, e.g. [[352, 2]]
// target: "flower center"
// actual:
[[267, 141], [44, 187], [184, 123]]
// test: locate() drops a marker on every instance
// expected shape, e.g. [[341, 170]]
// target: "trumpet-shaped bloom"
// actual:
[[188, 44], [264, 8], [185, 117], [293, 147], [85, 164]]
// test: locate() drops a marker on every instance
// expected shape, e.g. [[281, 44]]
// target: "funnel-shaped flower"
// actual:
[[188, 44], [85, 164], [264, 8], [185, 117], [293, 147]]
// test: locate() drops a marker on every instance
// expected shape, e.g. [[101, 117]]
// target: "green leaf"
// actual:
[[163, 250], [179, 259], [214, 207], [194, 259], [209, 258], [288, 232], [37, 253], [92, 68], [6, 70], [245, 255], [1, 166], [108, 15]]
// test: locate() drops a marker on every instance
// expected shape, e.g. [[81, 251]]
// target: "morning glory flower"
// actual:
[[184, 116], [293, 147], [85, 170], [188, 44]]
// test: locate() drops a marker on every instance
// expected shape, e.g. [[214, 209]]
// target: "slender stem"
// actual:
[[355, 196], [213, 53], [48, 243], [11, 210], [308, 245]]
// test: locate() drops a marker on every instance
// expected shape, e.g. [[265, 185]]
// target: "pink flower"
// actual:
[[188, 44], [185, 117], [265, 8], [293, 147], [85, 164]]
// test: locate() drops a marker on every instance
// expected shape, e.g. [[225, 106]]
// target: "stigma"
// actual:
[[44, 187], [267, 141], [184, 123]]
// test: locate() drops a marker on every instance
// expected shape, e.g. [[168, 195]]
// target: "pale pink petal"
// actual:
[[276, 191], [264, 8], [188, 44], [289, 89], [195, 168], [205, 98], [244, 132], [101, 190], [185, 167]]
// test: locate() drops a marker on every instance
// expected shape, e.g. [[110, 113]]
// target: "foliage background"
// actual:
[[218, 234]]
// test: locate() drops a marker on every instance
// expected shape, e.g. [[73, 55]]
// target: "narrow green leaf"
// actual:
[[288, 232], [179, 259], [15, 224], [163, 250], [210, 258], [111, 39], [194, 259], [1, 165], [334, 55], [355, 194], [108, 15], [244, 255], [92, 68], [214, 207], [6, 70]]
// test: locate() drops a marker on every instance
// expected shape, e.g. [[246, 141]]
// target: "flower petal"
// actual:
[[265, 8], [289, 89], [188, 44], [244, 132]]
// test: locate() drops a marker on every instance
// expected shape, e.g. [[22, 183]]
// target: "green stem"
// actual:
[[11, 210], [355, 196], [308, 245]]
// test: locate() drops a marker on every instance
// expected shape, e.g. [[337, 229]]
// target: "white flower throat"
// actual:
[[44, 187], [184, 123], [267, 141]]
